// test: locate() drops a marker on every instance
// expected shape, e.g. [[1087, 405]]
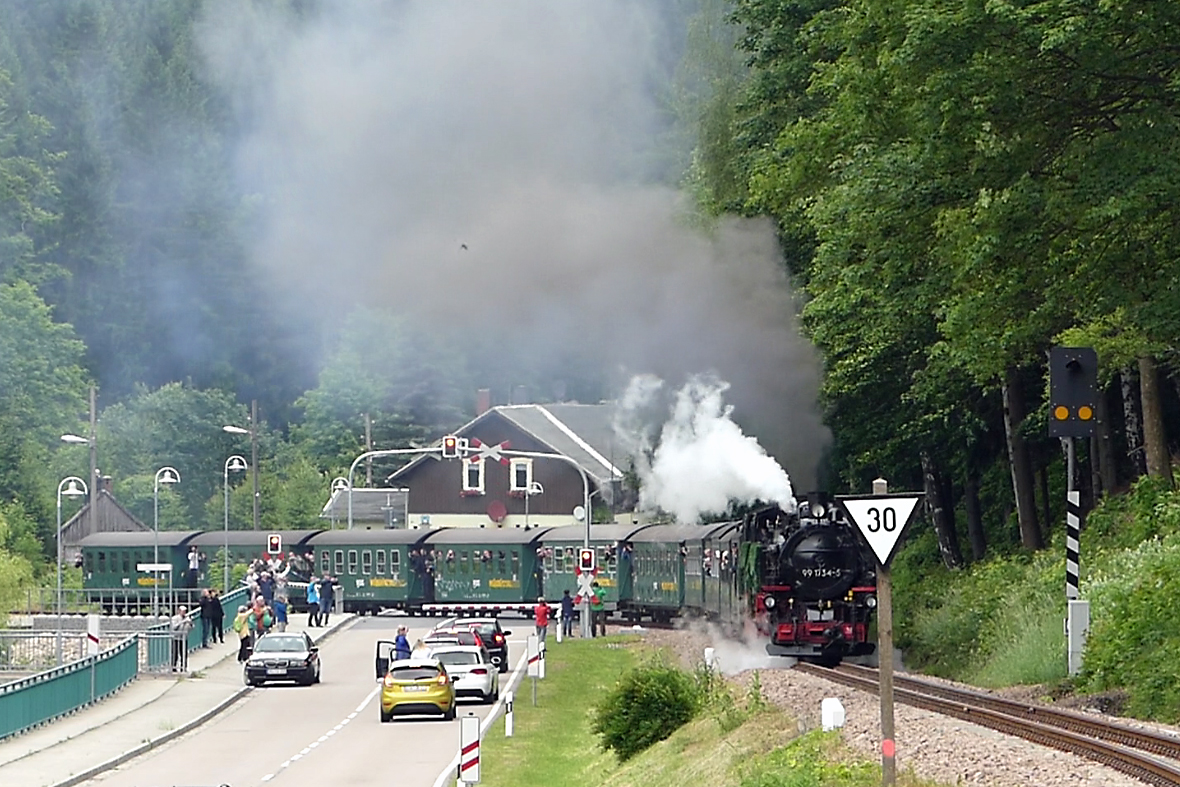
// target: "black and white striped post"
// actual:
[[1073, 394]]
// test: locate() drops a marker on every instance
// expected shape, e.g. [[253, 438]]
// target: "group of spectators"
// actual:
[[267, 610], [597, 614]]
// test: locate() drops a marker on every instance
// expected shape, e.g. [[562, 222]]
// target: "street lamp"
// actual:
[[237, 464], [69, 488], [534, 488], [339, 484], [165, 475], [253, 432]]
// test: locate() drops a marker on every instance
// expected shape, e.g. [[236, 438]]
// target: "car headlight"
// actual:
[[769, 602]]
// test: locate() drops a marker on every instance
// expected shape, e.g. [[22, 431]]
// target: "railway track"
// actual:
[[1129, 750]]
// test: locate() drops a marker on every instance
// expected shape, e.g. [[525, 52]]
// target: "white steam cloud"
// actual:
[[702, 461]]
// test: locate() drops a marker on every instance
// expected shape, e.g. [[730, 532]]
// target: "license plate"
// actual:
[[277, 671], [415, 688]]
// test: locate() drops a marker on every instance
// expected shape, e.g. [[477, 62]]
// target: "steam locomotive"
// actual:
[[817, 586]]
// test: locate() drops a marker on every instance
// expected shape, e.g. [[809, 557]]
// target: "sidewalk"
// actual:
[[148, 712]]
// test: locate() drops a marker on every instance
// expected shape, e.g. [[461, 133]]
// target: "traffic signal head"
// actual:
[[450, 447], [585, 560], [1073, 391], [274, 544]]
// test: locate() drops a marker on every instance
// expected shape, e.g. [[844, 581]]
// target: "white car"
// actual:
[[474, 673]]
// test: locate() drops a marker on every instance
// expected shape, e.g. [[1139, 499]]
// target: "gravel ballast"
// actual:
[[933, 746]]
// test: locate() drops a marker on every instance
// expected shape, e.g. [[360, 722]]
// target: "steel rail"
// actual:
[[1095, 743]]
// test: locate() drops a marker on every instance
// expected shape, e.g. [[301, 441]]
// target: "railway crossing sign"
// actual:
[[487, 451], [881, 520], [585, 584]]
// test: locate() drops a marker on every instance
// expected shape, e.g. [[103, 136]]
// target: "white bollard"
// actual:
[[508, 714], [541, 664], [831, 712], [709, 658], [559, 625]]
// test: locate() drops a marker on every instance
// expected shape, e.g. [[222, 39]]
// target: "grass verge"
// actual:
[[553, 746]]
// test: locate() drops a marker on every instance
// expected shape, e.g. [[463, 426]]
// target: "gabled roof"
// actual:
[[368, 505], [583, 432], [102, 515]]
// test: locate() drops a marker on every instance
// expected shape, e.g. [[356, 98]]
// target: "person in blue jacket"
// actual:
[[313, 601], [401, 644]]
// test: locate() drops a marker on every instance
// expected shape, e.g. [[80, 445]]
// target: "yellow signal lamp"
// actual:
[[1061, 412], [1085, 413]]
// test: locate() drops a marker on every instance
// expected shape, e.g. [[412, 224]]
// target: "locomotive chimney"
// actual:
[[483, 401]]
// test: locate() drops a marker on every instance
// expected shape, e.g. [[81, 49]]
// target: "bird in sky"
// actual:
[[463, 246]]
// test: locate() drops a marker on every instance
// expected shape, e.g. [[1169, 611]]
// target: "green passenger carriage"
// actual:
[[479, 569], [109, 567], [612, 554], [375, 568]]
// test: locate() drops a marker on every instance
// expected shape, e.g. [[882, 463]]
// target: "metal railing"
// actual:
[[36, 651], [116, 601], [47, 695], [155, 642]]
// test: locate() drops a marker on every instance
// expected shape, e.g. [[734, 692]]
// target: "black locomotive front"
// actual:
[[818, 584]]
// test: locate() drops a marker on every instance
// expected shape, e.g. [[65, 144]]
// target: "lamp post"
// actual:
[[534, 488], [91, 441], [165, 475], [69, 488], [253, 432], [339, 484], [237, 464]]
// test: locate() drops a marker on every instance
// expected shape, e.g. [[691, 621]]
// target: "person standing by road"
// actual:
[[567, 614], [327, 596], [241, 625], [206, 618], [401, 644], [280, 608], [313, 601], [217, 615], [597, 611], [541, 614], [180, 627]]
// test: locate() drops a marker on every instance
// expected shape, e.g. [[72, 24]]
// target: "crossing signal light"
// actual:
[[274, 544], [1073, 391], [586, 560], [450, 447]]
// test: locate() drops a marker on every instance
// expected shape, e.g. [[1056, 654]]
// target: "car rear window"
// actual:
[[458, 657], [414, 673], [487, 632]]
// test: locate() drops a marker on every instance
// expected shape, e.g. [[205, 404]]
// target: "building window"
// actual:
[[522, 475], [473, 477]]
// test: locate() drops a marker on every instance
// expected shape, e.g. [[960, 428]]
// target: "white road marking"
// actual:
[[323, 738]]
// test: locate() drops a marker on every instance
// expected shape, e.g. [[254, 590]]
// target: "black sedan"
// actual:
[[286, 656]]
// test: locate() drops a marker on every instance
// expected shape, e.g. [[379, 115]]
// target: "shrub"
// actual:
[[648, 704]]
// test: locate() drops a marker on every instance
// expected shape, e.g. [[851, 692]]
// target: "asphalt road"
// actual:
[[328, 734]]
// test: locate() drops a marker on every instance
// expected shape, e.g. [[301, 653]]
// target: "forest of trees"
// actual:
[[957, 187], [960, 187]]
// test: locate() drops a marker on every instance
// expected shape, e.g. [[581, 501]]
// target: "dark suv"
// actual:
[[495, 639]]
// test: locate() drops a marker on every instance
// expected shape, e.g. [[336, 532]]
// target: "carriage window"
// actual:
[[380, 561], [395, 562], [569, 560], [88, 559], [549, 560], [324, 560], [463, 566], [126, 563], [102, 562], [366, 562], [338, 563], [352, 561], [600, 558], [612, 559]]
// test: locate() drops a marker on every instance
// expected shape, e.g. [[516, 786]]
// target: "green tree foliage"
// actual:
[[177, 426], [411, 384], [15, 569], [647, 705]]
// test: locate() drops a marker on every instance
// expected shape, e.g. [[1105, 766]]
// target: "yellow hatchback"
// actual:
[[415, 687]]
